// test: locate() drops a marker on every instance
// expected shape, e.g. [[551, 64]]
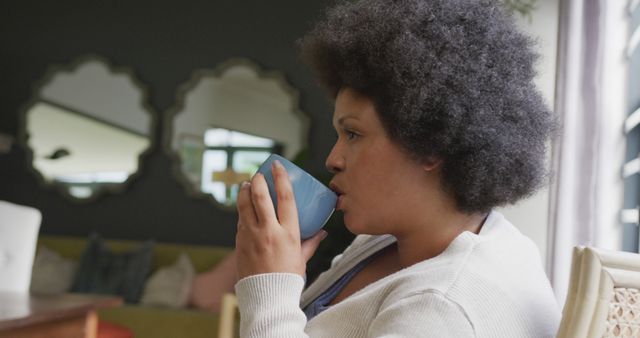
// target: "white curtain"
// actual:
[[587, 191]]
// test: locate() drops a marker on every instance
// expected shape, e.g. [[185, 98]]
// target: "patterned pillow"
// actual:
[[103, 271]]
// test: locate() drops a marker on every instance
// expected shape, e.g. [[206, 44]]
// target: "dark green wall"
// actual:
[[163, 42]]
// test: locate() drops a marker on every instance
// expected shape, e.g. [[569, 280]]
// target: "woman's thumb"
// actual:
[[310, 245]]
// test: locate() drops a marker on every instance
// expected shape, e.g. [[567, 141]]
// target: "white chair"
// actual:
[[604, 295], [19, 227]]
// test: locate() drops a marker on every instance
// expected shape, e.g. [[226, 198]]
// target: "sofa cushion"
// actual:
[[156, 322], [170, 286], [103, 271]]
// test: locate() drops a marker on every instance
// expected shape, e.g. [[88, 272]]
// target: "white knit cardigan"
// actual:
[[487, 285]]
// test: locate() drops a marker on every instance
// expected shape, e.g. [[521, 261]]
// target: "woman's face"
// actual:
[[375, 179]]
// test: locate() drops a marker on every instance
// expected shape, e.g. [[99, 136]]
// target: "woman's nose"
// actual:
[[335, 160]]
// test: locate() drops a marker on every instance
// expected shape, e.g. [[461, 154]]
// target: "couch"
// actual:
[[153, 321]]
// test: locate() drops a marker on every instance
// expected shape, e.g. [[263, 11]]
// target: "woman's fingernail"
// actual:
[[323, 235], [245, 185], [277, 164]]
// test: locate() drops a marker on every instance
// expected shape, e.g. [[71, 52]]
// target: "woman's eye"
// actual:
[[350, 135]]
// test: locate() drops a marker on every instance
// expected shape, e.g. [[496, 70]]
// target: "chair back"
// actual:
[[227, 325], [19, 227], [604, 295]]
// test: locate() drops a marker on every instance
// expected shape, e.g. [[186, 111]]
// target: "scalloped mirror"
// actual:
[[227, 121], [86, 126]]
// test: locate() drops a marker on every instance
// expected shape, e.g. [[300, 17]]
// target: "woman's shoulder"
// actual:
[[499, 258], [488, 288]]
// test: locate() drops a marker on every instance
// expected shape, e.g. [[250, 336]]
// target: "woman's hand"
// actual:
[[266, 243]]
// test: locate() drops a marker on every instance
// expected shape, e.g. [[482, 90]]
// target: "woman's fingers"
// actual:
[[287, 211], [246, 213], [261, 199], [266, 243]]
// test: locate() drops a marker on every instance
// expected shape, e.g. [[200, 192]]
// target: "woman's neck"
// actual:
[[430, 239]]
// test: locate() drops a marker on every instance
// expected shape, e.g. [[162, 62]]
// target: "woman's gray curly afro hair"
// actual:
[[451, 79]]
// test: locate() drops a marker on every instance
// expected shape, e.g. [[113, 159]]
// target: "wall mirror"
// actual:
[[86, 126], [227, 121]]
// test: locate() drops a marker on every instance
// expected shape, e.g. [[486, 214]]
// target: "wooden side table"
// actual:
[[51, 316]]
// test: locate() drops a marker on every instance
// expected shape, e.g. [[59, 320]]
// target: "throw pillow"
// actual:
[[103, 271], [170, 286], [208, 288], [51, 272]]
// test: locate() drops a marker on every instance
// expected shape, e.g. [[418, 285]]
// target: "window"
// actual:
[[231, 157]]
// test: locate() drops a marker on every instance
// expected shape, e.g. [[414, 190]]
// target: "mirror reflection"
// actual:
[[228, 122], [87, 126]]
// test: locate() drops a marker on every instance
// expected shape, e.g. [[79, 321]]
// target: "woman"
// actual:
[[438, 122]]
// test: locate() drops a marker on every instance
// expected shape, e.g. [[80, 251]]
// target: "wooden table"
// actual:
[[51, 316]]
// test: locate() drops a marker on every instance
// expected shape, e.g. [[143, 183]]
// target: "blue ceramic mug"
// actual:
[[314, 201]]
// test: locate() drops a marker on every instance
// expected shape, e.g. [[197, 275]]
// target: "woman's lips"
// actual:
[[340, 203], [338, 191]]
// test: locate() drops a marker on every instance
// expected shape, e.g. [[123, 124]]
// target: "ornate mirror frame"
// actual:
[[37, 96], [197, 78]]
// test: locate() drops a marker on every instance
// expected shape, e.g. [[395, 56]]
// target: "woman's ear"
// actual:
[[432, 163]]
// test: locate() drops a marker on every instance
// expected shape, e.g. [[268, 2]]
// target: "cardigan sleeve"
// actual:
[[427, 314], [269, 306]]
